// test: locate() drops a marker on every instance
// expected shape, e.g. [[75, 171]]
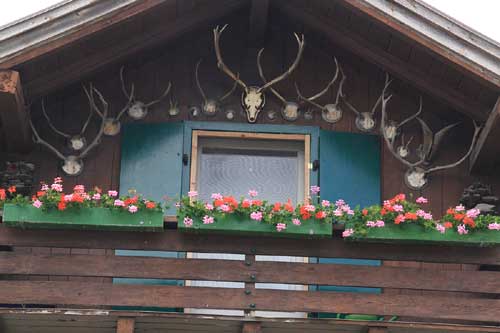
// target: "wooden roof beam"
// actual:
[[487, 151], [259, 12], [13, 114], [85, 66], [367, 50]]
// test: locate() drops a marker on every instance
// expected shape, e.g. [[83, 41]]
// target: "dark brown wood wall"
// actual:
[[150, 71]]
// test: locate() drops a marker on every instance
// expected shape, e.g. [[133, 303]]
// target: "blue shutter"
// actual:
[[151, 160], [349, 170], [151, 163]]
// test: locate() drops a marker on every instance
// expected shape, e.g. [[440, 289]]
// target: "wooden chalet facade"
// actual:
[[126, 281]]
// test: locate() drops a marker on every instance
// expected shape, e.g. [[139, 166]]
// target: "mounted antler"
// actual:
[[416, 175], [391, 128], [330, 113], [211, 106], [75, 141], [290, 110], [253, 98], [364, 120], [73, 164]]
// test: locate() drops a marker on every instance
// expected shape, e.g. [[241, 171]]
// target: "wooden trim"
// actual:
[[486, 152], [252, 327], [307, 165], [339, 35], [250, 135], [193, 174], [125, 325], [172, 240], [104, 294], [483, 282]]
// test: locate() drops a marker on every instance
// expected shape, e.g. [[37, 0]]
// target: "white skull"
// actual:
[[365, 122], [403, 151], [72, 166], [210, 108], [415, 178], [174, 111], [290, 111], [331, 113], [253, 102], [77, 142], [111, 127], [137, 110]]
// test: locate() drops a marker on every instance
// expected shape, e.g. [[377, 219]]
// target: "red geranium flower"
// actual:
[[411, 216], [61, 205], [320, 215], [12, 189], [448, 225], [150, 205], [2, 194], [365, 212], [277, 207]]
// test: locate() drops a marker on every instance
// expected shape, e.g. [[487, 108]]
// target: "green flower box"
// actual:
[[29, 217], [416, 234], [239, 225]]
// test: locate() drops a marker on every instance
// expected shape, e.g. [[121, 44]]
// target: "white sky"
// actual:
[[481, 15]]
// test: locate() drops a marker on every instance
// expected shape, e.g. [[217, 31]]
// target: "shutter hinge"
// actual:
[[315, 165], [185, 159]]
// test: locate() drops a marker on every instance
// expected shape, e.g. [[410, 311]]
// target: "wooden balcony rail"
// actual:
[[471, 296]]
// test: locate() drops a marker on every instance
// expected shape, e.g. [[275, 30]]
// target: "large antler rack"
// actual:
[[416, 176], [211, 106], [73, 164], [253, 98], [331, 113], [365, 121]]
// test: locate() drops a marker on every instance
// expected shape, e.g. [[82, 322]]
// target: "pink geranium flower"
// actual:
[[79, 188], [112, 193], [325, 203], [398, 208], [132, 209], [45, 187], [339, 203], [380, 224], [96, 196], [208, 219], [58, 180], [119, 203], [473, 213], [225, 208], [296, 221], [440, 228], [315, 189], [494, 226], [209, 206], [57, 187], [280, 227], [421, 200], [257, 216], [462, 230], [460, 208], [37, 203], [216, 196], [253, 193], [188, 222], [347, 233], [309, 208], [192, 194]]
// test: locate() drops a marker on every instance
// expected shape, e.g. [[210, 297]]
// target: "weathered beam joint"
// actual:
[[13, 115], [485, 155], [251, 327], [125, 325]]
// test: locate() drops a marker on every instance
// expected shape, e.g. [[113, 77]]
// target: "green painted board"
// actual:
[[28, 217], [412, 233], [245, 226]]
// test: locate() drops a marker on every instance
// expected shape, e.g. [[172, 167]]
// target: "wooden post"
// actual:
[[125, 325], [250, 289], [13, 114], [251, 327]]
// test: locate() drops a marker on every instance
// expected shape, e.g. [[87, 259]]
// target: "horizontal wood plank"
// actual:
[[172, 240], [265, 272], [101, 294]]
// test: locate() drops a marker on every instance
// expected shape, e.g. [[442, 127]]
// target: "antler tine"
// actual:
[[220, 62], [97, 138], [410, 118], [340, 91], [91, 99], [38, 140], [284, 75], [390, 145], [263, 78], [51, 125], [162, 96], [307, 100], [230, 91], [322, 92], [129, 102], [388, 81], [84, 128], [477, 129], [198, 84], [124, 89]]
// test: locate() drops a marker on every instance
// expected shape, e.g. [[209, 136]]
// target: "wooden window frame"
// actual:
[[196, 134]]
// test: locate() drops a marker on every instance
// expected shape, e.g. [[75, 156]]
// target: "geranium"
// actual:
[[208, 219], [320, 215], [57, 187], [315, 189], [296, 221], [112, 193], [133, 209], [253, 193], [216, 196], [421, 200], [280, 227], [462, 230], [440, 228], [2, 194], [192, 194], [96, 196], [150, 205], [209, 206], [348, 233], [325, 203], [37, 203], [188, 222], [257, 216], [12, 189], [79, 188], [494, 226], [119, 203]]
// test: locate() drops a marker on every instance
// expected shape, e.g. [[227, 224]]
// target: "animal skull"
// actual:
[[390, 130], [77, 142], [72, 165], [403, 151], [290, 111], [331, 113], [210, 108], [137, 110], [415, 178], [253, 102], [111, 126], [365, 121]]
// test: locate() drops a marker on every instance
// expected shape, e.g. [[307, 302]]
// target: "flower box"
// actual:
[[94, 218], [240, 225], [417, 234]]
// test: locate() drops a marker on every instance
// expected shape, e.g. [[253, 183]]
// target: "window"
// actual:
[[231, 163]]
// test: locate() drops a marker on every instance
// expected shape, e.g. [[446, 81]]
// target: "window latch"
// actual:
[[185, 159], [315, 165]]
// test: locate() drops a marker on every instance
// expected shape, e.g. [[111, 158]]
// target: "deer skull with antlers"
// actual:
[[330, 113], [253, 98], [72, 165], [365, 121], [211, 106], [416, 177]]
